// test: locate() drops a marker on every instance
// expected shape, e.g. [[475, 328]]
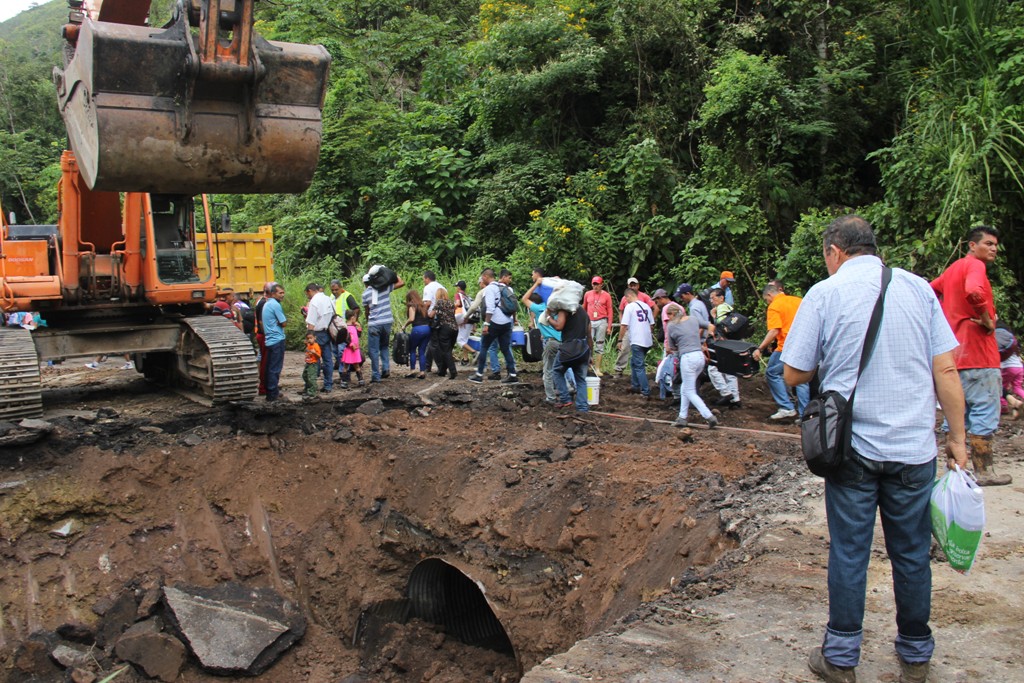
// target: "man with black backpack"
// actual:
[[500, 306]]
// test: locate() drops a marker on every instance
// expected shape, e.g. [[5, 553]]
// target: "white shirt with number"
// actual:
[[638, 318]]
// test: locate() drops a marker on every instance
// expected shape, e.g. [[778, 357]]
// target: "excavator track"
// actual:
[[218, 359], [21, 392]]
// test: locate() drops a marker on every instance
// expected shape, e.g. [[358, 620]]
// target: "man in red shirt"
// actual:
[[598, 304], [966, 296]]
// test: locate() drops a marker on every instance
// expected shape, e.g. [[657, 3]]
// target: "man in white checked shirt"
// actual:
[[893, 465]]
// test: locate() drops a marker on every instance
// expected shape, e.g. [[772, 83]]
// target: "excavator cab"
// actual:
[[203, 104]]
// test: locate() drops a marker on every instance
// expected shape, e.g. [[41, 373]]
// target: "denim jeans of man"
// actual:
[[638, 369], [551, 346], [777, 386], [902, 495], [578, 368], [502, 334], [275, 363], [326, 358], [378, 341], [983, 388]]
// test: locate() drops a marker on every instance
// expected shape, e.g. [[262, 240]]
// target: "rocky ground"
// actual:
[[609, 547]]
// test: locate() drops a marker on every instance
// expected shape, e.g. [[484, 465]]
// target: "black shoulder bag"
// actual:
[[827, 425]]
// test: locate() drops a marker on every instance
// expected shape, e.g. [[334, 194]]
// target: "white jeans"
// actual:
[[690, 365]]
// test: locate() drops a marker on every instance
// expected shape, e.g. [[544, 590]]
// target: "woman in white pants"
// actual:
[[685, 342]]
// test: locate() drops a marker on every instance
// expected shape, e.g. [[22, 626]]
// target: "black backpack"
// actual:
[[381, 277], [248, 320], [705, 296], [735, 325], [533, 351]]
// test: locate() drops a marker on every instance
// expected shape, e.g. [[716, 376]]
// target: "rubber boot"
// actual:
[[598, 357], [981, 457]]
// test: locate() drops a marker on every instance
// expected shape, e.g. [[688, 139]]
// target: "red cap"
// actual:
[[597, 280]]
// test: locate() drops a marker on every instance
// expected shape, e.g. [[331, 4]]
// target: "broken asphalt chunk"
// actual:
[[232, 628]]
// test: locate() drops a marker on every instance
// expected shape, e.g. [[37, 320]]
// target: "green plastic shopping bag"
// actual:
[[958, 517]]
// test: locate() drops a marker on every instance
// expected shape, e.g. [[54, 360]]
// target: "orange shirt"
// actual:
[[781, 312], [312, 353]]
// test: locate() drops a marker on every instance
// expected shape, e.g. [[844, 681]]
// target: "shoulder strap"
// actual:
[[872, 334]]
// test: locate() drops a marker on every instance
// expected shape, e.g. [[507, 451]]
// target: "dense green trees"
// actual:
[[670, 140]]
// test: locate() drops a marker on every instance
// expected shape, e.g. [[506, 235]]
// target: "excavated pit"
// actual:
[[462, 540]]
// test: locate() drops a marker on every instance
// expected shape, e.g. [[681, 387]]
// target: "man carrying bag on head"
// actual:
[[888, 464]]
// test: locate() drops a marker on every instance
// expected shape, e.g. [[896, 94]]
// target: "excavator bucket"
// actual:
[[157, 110]]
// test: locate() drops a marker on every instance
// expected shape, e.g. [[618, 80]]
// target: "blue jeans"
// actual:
[[326, 358], [578, 367], [902, 495], [419, 337], [275, 362], [773, 376], [492, 356], [982, 389], [378, 345], [502, 334], [638, 370]]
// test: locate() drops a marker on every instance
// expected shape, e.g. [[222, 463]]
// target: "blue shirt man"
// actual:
[[893, 464], [273, 321]]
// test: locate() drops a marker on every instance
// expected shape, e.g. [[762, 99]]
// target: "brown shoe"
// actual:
[[829, 672], [990, 478], [913, 673]]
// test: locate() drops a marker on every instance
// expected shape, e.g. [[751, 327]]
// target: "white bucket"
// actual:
[[593, 391]]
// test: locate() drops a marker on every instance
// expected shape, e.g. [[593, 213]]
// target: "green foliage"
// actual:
[[666, 140]]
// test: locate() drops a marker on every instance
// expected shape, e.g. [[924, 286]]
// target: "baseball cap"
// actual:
[[727, 275], [597, 280], [632, 281], [684, 288], [461, 284], [660, 294]]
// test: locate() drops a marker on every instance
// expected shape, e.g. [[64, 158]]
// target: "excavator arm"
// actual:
[[203, 104]]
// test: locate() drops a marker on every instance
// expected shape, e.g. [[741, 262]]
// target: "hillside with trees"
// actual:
[[669, 140]]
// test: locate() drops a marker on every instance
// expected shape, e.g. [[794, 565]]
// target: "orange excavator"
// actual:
[[155, 117]]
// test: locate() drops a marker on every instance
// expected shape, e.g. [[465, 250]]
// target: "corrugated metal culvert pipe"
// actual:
[[440, 593]]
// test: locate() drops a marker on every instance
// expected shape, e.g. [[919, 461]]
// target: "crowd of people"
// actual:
[[439, 328]]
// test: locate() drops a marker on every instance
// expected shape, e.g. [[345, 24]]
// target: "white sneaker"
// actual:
[[130, 365], [93, 366], [782, 414]]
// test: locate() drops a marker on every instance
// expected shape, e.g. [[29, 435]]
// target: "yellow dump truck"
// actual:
[[244, 261]]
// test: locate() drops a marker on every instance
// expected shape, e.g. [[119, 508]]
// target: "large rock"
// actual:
[[158, 654], [117, 618], [232, 628], [372, 407], [24, 433]]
